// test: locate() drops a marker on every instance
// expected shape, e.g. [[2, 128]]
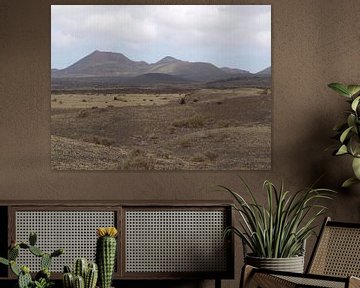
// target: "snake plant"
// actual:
[[348, 132], [279, 228]]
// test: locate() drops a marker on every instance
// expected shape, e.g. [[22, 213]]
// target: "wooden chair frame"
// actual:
[[254, 277]]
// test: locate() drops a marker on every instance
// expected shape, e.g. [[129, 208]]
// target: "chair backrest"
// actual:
[[337, 251]]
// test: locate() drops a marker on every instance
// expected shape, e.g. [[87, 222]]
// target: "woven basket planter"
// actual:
[[291, 264]]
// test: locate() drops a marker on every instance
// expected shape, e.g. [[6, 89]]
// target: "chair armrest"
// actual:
[[252, 277], [255, 277], [354, 282]]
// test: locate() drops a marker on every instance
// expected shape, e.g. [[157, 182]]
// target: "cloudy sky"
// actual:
[[237, 36]]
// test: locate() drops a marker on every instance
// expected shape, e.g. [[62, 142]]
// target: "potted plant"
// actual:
[[276, 233], [348, 132], [42, 278]]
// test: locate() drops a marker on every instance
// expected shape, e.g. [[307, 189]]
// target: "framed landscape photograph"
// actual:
[[161, 87]]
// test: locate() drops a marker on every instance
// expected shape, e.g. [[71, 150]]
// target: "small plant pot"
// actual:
[[291, 264]]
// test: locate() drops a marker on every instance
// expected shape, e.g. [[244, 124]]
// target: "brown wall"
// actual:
[[314, 42]]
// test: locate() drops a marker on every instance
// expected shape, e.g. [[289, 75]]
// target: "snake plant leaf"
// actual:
[[353, 89], [349, 182], [355, 103], [342, 150], [340, 88], [345, 134]]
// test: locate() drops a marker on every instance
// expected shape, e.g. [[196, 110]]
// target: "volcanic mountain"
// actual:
[[109, 69], [265, 72], [103, 64], [109, 64]]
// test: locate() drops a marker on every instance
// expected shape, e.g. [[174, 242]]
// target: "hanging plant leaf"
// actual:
[[353, 89], [340, 88], [351, 120], [356, 167], [342, 150], [345, 134], [355, 103], [349, 182], [354, 145]]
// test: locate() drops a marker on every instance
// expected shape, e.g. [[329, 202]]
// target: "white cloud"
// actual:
[[61, 39], [147, 32]]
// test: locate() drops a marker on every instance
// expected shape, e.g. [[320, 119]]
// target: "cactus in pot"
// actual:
[[85, 275], [106, 254]]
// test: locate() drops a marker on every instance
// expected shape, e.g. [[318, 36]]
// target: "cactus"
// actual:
[[32, 238], [79, 282], [24, 278], [68, 280], [13, 253], [44, 273], [45, 261], [14, 268], [80, 267], [90, 272], [106, 254], [57, 252], [91, 276], [36, 251]]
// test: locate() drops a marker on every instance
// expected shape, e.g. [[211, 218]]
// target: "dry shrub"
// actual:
[[83, 100], [172, 130], [186, 143], [195, 121], [223, 123], [100, 140], [138, 160], [211, 155], [198, 157], [83, 113]]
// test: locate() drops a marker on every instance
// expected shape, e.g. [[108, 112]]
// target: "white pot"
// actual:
[[291, 264]]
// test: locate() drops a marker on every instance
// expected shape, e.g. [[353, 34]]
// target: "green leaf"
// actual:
[[340, 127], [351, 120], [340, 88], [356, 167], [354, 145], [4, 261], [342, 150], [353, 89], [345, 134], [355, 103], [349, 182], [14, 268]]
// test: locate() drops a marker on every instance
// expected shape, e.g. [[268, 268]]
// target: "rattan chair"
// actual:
[[334, 263]]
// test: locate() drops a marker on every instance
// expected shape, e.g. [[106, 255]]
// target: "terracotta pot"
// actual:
[[291, 264]]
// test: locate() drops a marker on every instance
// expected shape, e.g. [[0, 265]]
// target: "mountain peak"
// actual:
[[265, 72], [167, 59]]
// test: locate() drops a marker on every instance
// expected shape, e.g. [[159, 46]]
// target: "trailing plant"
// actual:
[[348, 132], [279, 229], [106, 254], [42, 278], [85, 275]]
